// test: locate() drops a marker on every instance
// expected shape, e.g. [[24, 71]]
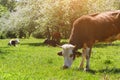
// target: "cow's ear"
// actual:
[[72, 46], [60, 53]]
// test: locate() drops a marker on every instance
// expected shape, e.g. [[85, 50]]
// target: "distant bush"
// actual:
[[2, 36], [34, 17], [37, 35], [11, 34], [22, 33]]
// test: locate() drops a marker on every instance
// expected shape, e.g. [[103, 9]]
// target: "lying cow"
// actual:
[[50, 42], [86, 31], [13, 42]]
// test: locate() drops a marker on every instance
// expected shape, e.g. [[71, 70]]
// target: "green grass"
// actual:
[[31, 60]]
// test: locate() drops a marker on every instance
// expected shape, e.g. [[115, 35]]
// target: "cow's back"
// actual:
[[94, 27]]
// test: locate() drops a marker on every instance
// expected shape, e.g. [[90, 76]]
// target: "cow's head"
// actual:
[[68, 54]]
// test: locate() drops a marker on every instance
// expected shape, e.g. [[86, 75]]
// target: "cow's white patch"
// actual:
[[87, 59], [67, 52], [85, 54]]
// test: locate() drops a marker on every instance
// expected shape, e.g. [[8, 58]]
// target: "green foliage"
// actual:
[[9, 4], [101, 5], [3, 10], [2, 35], [24, 19], [36, 16], [11, 34], [32, 60], [59, 15], [38, 35], [21, 33]]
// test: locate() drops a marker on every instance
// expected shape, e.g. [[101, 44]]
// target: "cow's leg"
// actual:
[[88, 52], [83, 59]]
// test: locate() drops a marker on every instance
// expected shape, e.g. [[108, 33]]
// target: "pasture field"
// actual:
[[31, 60]]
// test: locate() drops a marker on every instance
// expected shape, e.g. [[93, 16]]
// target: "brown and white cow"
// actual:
[[86, 31]]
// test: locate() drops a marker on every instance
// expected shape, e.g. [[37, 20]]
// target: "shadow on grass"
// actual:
[[102, 45], [39, 44], [113, 70], [90, 71], [98, 45], [109, 71], [33, 44]]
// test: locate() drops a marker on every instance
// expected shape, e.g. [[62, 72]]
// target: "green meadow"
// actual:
[[32, 60]]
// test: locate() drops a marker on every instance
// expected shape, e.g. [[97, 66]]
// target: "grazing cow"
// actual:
[[56, 37], [86, 31], [13, 42]]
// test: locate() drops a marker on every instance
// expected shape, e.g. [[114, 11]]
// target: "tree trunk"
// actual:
[[48, 33], [29, 34]]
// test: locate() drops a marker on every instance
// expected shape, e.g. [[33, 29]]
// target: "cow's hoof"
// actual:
[[65, 67], [86, 69]]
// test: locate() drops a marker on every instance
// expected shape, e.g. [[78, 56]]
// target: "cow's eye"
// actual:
[[60, 53]]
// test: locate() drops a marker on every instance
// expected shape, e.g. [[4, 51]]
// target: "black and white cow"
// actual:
[[13, 42]]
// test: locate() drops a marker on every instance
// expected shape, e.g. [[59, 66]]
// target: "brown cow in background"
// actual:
[[50, 42], [56, 36], [86, 31]]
